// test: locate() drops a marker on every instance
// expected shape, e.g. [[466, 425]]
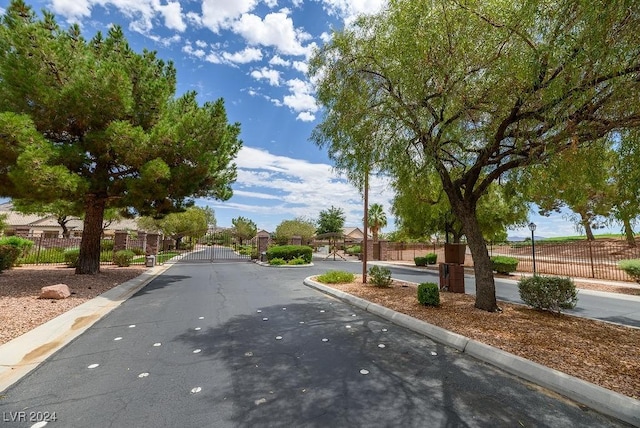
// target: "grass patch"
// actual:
[[336, 277]]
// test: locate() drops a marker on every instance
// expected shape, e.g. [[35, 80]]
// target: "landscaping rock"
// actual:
[[58, 291]]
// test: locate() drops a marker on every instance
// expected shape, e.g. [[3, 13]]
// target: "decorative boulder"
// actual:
[[58, 291]]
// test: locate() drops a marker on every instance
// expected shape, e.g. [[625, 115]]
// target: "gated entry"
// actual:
[[219, 247]]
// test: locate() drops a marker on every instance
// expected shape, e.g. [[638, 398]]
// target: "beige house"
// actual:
[[47, 226]]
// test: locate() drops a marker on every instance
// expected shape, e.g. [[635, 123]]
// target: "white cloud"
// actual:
[[220, 14], [244, 56], [275, 30], [277, 60], [270, 75], [73, 10], [188, 49], [301, 66], [271, 3], [271, 185], [301, 98], [201, 44], [305, 116], [172, 13], [348, 10]]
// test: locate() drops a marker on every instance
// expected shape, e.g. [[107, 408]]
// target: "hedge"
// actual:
[[548, 293], [504, 264], [290, 252]]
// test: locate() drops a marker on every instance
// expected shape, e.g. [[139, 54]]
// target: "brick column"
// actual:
[[120, 240], [263, 244], [384, 248], [369, 249], [296, 240], [152, 244], [142, 239]]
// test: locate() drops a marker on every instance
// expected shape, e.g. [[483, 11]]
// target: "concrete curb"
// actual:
[[24, 353], [601, 399]]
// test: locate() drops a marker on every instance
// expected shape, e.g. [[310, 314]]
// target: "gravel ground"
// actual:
[[20, 308]]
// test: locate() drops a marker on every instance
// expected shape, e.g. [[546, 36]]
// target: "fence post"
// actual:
[[593, 272]]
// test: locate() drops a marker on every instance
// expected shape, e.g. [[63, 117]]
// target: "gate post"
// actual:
[[120, 240], [384, 247], [263, 244], [296, 240], [152, 244]]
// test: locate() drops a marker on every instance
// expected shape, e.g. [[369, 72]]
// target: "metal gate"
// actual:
[[219, 247]]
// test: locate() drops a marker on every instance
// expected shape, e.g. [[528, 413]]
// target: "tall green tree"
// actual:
[[625, 175], [243, 229], [473, 90], [97, 124], [377, 220], [331, 220], [192, 223], [576, 179], [300, 226]]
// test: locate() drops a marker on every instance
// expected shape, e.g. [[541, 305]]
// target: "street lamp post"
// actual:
[[532, 228]]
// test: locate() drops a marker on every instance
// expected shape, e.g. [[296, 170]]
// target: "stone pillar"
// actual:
[[263, 244], [369, 249], [152, 244], [296, 240], [120, 240], [142, 239], [384, 248]]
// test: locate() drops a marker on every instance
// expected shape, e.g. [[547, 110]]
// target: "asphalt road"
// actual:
[[239, 345]]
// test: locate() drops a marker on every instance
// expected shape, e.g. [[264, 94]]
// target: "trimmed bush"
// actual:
[[71, 257], [138, 251], [432, 258], [277, 261], [123, 258], [429, 294], [354, 250], [548, 293], [23, 244], [297, 262], [9, 254], [336, 277], [631, 267], [420, 261], [290, 252], [380, 276], [504, 264]]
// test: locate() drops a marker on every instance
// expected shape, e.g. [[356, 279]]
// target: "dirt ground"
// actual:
[[601, 353]]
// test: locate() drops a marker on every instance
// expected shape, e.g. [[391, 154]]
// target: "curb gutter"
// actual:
[[21, 355], [600, 399]]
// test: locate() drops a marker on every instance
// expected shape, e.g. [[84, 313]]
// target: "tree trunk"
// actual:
[[485, 284], [89, 259], [628, 232], [586, 223], [62, 221]]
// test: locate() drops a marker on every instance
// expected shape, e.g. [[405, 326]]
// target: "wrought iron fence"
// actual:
[[584, 259]]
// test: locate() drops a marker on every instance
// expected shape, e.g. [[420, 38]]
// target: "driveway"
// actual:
[[239, 345]]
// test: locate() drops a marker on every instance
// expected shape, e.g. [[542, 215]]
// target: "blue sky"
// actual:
[[254, 53]]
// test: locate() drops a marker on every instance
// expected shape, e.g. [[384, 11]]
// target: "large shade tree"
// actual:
[[192, 223], [331, 220], [471, 90], [244, 229], [94, 123], [300, 226]]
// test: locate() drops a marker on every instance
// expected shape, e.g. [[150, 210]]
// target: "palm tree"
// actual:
[[377, 219]]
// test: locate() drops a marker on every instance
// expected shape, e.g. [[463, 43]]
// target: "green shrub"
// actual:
[[138, 251], [504, 264], [46, 255], [548, 293], [336, 277], [380, 276], [8, 256], [429, 294], [71, 257], [106, 245], [106, 256], [354, 250], [432, 258], [23, 244], [631, 267], [277, 261], [289, 252], [123, 258], [297, 261], [420, 261]]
